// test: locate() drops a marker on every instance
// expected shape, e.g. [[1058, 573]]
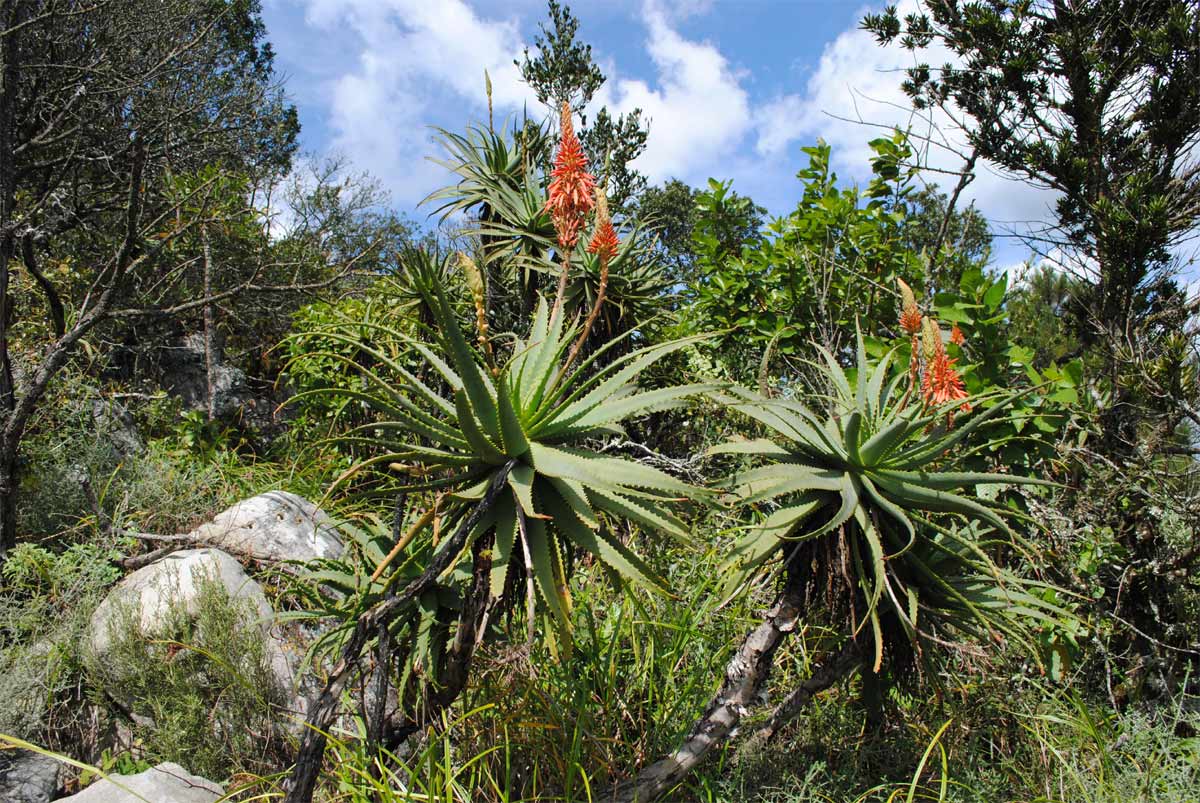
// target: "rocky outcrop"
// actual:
[[27, 777], [170, 586], [275, 526], [166, 783], [186, 375]]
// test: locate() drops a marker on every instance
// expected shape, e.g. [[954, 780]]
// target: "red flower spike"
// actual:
[[604, 242], [956, 336], [571, 186], [941, 383]]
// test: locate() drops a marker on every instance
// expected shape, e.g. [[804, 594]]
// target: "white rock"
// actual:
[[166, 783], [173, 582], [274, 526]]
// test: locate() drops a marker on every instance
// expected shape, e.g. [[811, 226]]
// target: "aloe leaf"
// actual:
[[883, 441], [540, 544], [603, 546], [648, 516], [909, 494], [502, 551], [605, 472], [762, 540], [860, 355], [875, 401], [575, 497], [515, 442], [850, 500], [891, 509], [474, 383], [607, 382], [851, 435], [756, 446], [949, 480], [521, 479], [479, 442], [836, 375], [629, 406]]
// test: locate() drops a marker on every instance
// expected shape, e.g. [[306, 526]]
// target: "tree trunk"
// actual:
[[8, 501], [209, 327], [745, 675], [11, 15]]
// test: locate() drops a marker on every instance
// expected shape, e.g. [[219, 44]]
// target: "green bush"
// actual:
[[200, 691]]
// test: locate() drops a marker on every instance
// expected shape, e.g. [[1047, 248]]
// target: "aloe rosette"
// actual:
[[452, 430], [865, 489]]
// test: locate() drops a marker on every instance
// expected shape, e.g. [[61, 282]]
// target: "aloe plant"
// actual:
[[537, 425], [866, 524], [862, 492]]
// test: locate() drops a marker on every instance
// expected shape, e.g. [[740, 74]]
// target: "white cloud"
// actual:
[[414, 58], [698, 110], [854, 95]]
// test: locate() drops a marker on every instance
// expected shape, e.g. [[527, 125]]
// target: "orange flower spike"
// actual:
[[910, 313], [571, 186], [956, 336], [941, 383], [604, 242]]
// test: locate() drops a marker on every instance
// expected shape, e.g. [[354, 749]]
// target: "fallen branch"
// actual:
[[745, 675]]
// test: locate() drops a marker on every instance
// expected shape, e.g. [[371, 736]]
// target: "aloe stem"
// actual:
[[562, 288], [591, 318], [323, 708]]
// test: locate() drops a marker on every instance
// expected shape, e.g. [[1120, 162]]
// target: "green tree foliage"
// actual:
[[671, 212], [83, 154], [1039, 308], [1097, 100], [952, 240], [563, 72], [808, 275]]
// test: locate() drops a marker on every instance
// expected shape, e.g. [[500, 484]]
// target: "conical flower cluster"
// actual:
[[604, 242], [931, 367], [910, 314], [571, 186]]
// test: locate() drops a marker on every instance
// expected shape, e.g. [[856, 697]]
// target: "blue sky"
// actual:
[[733, 88]]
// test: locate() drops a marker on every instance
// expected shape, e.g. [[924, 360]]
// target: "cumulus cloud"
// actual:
[[698, 110], [415, 59], [855, 94]]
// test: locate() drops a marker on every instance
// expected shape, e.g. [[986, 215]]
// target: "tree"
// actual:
[[563, 71], [808, 276], [670, 211], [1038, 310], [125, 128], [1098, 101], [953, 240]]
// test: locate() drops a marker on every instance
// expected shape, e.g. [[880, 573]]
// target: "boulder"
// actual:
[[27, 777], [186, 375], [115, 424], [274, 526], [173, 583], [166, 783]]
